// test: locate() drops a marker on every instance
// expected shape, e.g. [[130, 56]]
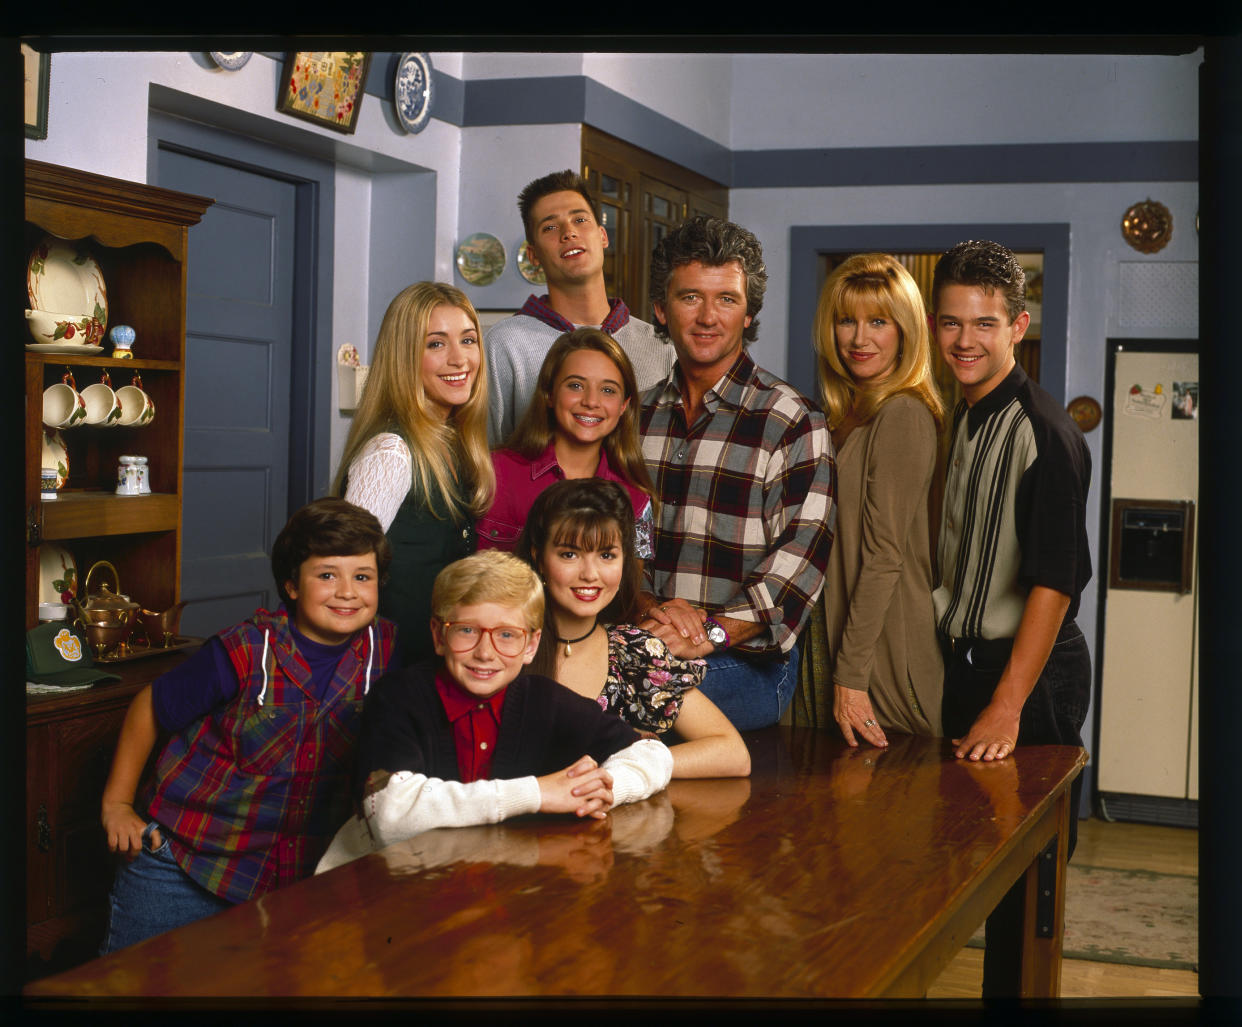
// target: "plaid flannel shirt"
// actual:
[[250, 795], [747, 501]]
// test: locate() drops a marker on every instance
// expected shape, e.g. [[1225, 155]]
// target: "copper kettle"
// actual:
[[104, 607]]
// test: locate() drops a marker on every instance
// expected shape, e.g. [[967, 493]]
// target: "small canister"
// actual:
[[127, 478], [47, 483], [144, 476]]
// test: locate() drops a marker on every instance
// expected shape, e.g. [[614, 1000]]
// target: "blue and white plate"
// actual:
[[412, 91], [230, 60]]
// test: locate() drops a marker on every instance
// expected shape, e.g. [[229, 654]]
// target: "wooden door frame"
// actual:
[[311, 364]]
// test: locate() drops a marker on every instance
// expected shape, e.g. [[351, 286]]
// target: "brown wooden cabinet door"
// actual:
[[642, 196]]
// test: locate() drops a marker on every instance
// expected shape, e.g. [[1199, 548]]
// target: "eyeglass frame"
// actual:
[[446, 624]]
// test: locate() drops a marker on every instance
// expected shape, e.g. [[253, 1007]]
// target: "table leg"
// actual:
[[1041, 948]]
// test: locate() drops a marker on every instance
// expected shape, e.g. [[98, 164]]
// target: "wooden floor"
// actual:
[[1166, 850]]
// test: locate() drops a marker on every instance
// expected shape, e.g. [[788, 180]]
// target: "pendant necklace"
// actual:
[[569, 642]]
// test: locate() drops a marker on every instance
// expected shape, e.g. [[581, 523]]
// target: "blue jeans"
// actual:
[[752, 691], [152, 894]]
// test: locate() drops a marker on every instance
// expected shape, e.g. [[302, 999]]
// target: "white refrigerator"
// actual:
[[1148, 702]]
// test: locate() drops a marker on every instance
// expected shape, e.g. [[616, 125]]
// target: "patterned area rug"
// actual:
[[1135, 917]]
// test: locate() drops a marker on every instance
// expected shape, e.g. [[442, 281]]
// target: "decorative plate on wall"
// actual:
[[529, 270], [1147, 226], [481, 258], [413, 91], [1085, 411], [230, 60]]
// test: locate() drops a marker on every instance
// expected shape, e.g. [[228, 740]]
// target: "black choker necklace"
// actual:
[[568, 642]]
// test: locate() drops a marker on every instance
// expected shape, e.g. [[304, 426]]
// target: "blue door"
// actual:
[[239, 373]]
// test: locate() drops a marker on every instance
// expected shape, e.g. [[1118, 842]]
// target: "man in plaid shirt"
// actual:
[[744, 470]]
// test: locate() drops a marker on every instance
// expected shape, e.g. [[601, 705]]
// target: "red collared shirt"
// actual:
[[476, 726]]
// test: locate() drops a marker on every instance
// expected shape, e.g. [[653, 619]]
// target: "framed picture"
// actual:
[[37, 67], [325, 87]]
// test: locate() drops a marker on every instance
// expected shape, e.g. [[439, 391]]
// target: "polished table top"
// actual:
[[831, 872]]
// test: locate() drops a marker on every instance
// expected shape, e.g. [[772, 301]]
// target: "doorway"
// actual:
[[254, 307]]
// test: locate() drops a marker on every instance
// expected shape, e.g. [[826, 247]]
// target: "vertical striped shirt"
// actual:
[[1014, 513], [747, 501]]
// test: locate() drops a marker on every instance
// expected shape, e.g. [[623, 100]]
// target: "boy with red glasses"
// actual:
[[469, 739]]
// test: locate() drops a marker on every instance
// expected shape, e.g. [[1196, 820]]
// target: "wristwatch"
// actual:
[[716, 634]]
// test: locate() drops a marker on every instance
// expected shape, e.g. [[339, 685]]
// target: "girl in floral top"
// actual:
[[579, 537]]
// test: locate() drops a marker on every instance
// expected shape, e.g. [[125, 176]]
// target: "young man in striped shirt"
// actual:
[[744, 470], [1013, 554]]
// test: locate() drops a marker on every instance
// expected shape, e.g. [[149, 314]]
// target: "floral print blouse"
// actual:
[[646, 683]]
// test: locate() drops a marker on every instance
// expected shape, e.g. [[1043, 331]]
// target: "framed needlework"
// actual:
[[36, 92], [325, 87]]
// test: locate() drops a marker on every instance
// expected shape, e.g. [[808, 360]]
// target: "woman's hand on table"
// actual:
[[851, 709], [124, 829], [583, 788]]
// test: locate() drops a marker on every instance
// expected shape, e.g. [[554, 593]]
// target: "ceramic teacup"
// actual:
[[63, 405], [137, 408], [102, 405]]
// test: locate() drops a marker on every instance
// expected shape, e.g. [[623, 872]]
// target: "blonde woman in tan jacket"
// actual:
[[874, 357]]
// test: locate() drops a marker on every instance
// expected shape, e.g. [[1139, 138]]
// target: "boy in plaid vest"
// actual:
[[263, 719]]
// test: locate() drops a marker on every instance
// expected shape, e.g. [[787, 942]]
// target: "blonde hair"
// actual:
[[489, 576], [531, 435], [394, 400], [878, 281]]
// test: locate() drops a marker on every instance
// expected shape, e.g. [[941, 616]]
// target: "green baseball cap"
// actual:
[[57, 655]]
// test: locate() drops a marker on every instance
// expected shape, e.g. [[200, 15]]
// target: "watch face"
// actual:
[[716, 634]]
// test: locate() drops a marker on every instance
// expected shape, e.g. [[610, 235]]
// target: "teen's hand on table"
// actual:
[[124, 829], [992, 736], [851, 709], [583, 789]]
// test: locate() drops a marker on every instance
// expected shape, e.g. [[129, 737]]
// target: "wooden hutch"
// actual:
[[138, 235]]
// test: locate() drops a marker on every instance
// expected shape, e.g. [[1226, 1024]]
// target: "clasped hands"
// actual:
[[584, 788]]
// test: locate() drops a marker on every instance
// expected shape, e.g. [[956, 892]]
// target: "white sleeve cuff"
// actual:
[[639, 770]]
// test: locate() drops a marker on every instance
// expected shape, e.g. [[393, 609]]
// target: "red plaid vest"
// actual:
[[251, 795]]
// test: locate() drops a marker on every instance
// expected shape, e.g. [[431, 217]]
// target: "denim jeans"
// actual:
[[1052, 715], [152, 894], [752, 691]]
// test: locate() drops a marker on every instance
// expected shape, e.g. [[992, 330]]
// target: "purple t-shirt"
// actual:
[[207, 680]]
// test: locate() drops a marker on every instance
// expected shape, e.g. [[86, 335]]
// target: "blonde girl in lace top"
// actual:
[[416, 455]]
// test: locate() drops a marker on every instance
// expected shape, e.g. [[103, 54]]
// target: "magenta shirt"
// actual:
[[519, 481]]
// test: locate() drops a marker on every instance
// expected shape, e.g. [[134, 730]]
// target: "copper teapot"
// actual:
[[105, 606]]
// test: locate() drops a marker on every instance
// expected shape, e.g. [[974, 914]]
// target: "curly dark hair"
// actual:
[[986, 264], [327, 527], [714, 242], [567, 181]]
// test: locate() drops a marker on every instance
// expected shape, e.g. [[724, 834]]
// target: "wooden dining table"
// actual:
[[830, 872]]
